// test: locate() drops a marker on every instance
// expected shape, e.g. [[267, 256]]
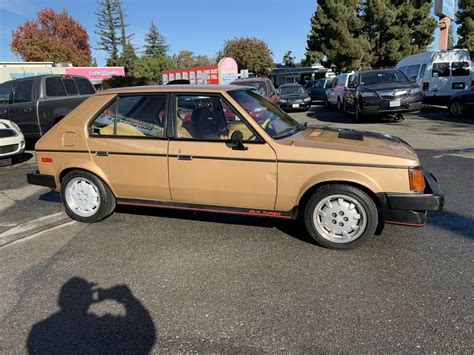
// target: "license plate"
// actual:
[[295, 105], [394, 103]]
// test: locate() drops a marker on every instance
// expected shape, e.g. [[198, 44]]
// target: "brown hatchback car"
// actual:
[[227, 149]]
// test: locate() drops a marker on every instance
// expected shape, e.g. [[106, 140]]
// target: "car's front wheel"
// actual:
[[340, 216], [86, 197], [456, 108]]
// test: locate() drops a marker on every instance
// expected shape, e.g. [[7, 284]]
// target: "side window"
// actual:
[[461, 68], [422, 71], [84, 86], [23, 90], [402, 69], [104, 124], [412, 71], [5, 91], [208, 118], [442, 69], [70, 85], [55, 87], [141, 115]]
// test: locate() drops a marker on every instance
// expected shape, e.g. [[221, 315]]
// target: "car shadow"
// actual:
[[51, 196], [293, 228], [75, 329], [441, 114], [453, 222], [332, 116]]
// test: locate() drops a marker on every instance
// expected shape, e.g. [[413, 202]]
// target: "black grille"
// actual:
[[8, 148], [4, 133]]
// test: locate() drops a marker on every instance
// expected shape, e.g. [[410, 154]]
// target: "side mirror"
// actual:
[[237, 140]]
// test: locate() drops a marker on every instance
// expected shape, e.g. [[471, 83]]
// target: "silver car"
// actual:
[[335, 93]]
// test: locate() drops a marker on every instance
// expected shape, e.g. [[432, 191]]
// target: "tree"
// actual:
[[336, 35], [397, 29], [187, 59], [465, 20], [124, 39], [250, 53], [107, 24], [151, 67], [54, 37], [155, 43], [288, 59], [128, 58]]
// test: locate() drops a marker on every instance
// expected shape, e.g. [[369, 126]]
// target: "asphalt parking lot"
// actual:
[[165, 281]]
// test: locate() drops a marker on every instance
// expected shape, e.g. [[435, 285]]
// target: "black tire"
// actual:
[[106, 198], [341, 106], [327, 104], [358, 117], [456, 108], [370, 213]]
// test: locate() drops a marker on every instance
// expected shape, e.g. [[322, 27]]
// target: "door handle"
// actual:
[[102, 154], [185, 157], [28, 109]]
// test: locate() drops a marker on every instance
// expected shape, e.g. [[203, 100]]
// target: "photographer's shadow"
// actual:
[[74, 329]]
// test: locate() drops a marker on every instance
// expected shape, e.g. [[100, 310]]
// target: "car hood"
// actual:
[[337, 145], [387, 86], [294, 96]]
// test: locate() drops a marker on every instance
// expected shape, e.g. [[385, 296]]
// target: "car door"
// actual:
[[441, 79], [350, 91], [127, 141], [22, 110], [206, 169], [332, 92]]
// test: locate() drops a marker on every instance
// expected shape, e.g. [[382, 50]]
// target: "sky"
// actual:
[[201, 26]]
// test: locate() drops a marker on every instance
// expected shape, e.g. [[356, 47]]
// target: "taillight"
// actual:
[[426, 86], [417, 179]]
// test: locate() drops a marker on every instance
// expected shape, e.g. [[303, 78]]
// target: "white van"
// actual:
[[440, 73]]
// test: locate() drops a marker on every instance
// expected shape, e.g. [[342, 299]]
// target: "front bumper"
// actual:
[[377, 105], [35, 178], [11, 146], [410, 209], [289, 105]]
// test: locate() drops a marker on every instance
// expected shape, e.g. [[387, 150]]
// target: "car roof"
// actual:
[[249, 80], [377, 71], [288, 85], [171, 88]]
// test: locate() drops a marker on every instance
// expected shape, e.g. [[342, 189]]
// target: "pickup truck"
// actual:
[[37, 103]]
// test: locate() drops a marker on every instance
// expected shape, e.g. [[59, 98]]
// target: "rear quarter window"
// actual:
[[70, 85], [84, 86], [55, 87]]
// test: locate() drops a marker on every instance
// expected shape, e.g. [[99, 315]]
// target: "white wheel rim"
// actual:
[[82, 197], [340, 218]]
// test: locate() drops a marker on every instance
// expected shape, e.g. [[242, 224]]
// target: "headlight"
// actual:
[[283, 101], [308, 99], [15, 127], [367, 94], [415, 90]]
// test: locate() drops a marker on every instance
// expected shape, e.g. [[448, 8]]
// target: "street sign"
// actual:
[[445, 8]]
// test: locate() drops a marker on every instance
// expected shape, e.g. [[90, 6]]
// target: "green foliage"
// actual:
[[155, 44], [398, 28], [288, 59], [249, 53], [123, 81], [128, 58], [336, 36], [108, 23], [465, 20], [353, 34], [151, 67], [124, 38]]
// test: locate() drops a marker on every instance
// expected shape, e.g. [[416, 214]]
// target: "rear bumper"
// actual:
[[35, 178], [410, 209]]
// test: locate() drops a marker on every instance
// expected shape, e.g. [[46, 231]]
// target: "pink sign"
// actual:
[[96, 73]]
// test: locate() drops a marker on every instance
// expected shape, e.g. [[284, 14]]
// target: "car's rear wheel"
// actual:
[[358, 117], [456, 108], [340, 106], [86, 197], [327, 104], [340, 216]]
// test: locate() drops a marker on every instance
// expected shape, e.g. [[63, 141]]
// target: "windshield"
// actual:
[[258, 85], [379, 77], [273, 120], [292, 90]]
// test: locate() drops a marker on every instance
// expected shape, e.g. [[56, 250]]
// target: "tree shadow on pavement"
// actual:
[[454, 222], [75, 330]]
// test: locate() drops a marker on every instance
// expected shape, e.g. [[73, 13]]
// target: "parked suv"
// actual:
[[263, 85], [36, 103], [377, 92], [317, 91], [133, 146], [335, 92]]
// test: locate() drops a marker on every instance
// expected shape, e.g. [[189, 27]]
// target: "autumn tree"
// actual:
[[336, 36], [187, 59], [108, 25], [155, 43], [54, 37], [249, 53], [465, 20]]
